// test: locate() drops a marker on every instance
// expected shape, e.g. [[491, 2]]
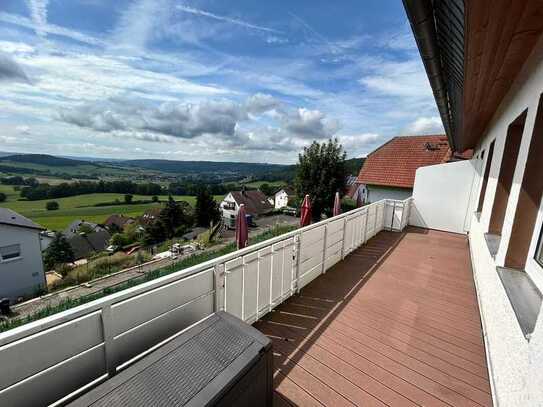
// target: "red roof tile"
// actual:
[[395, 162]]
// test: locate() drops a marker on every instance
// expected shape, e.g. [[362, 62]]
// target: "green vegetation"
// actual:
[[80, 207], [51, 205], [3, 197], [181, 265], [321, 173], [59, 251], [206, 210]]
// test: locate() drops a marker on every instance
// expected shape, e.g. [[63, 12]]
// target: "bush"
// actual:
[[3, 197], [52, 205], [154, 198], [128, 198]]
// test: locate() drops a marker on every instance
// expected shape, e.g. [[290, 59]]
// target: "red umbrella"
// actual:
[[242, 231], [359, 198], [305, 216], [337, 206]]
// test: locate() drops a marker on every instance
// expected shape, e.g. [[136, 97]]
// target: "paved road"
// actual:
[[97, 285]]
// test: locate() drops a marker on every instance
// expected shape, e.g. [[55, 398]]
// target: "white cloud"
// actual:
[[11, 70], [359, 145], [49, 29], [310, 124], [426, 125], [406, 78], [226, 19], [38, 12]]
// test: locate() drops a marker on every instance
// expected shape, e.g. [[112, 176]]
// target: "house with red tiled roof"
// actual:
[[389, 171]]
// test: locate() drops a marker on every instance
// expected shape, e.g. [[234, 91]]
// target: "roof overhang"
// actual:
[[472, 51]]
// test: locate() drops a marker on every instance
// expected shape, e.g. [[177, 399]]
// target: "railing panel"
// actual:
[[289, 268], [264, 279], [277, 273], [250, 286], [144, 307], [233, 287], [133, 342], [58, 381], [31, 355]]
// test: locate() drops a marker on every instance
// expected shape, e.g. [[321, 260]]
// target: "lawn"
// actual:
[[80, 207], [274, 184]]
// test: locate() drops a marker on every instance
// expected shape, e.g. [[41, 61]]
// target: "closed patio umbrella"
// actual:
[[337, 205], [242, 232], [305, 216], [359, 198]]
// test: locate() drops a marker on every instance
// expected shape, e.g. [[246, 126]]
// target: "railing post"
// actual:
[[107, 332], [297, 252], [324, 248], [343, 242], [365, 227], [218, 281]]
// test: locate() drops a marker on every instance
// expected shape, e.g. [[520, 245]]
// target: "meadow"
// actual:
[[81, 207]]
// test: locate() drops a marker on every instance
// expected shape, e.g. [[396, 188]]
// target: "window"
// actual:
[[485, 177], [10, 252], [539, 252]]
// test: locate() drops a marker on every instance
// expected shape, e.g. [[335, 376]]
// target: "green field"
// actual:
[[274, 184], [80, 207]]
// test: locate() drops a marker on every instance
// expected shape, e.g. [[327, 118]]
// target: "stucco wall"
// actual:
[[22, 276], [443, 189], [377, 193], [281, 200], [515, 362]]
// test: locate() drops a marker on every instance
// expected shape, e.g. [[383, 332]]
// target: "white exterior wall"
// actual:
[[376, 193], [443, 189], [515, 362], [281, 199], [226, 213], [24, 275]]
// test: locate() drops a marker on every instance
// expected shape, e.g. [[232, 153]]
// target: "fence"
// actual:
[[47, 360]]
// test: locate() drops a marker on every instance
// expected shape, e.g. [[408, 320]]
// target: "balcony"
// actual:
[[396, 323], [361, 311]]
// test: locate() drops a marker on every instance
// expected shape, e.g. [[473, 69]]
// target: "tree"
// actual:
[[155, 233], [59, 251], [172, 217], [266, 189], [128, 198], [154, 198], [3, 197], [52, 205], [206, 209], [321, 173], [119, 240]]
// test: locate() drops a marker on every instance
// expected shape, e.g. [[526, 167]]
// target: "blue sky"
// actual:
[[208, 80]]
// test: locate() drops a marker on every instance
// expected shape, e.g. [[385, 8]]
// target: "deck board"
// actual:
[[394, 324]]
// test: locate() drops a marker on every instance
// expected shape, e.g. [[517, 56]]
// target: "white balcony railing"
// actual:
[[49, 359]]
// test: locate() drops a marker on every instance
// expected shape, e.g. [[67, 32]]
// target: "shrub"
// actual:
[[52, 205], [3, 197], [154, 198]]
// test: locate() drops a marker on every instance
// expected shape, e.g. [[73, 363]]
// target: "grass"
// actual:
[[80, 207], [181, 265], [274, 184]]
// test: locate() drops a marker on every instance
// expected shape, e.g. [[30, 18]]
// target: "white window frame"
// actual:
[[19, 256]]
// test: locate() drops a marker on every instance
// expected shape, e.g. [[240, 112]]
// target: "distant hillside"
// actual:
[[42, 159], [354, 165], [216, 168]]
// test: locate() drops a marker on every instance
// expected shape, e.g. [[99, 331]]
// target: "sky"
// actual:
[[237, 80]]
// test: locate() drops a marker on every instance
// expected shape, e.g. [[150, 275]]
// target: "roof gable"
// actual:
[[12, 218], [255, 201], [396, 162]]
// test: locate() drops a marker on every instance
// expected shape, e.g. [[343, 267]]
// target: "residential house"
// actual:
[[389, 171], [74, 227], [282, 197], [21, 267], [118, 222], [255, 202], [86, 244]]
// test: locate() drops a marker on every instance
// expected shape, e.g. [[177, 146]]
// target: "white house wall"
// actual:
[[441, 196], [377, 193], [23, 276], [515, 362]]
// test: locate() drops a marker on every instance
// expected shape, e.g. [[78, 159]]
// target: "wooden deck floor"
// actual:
[[396, 323]]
